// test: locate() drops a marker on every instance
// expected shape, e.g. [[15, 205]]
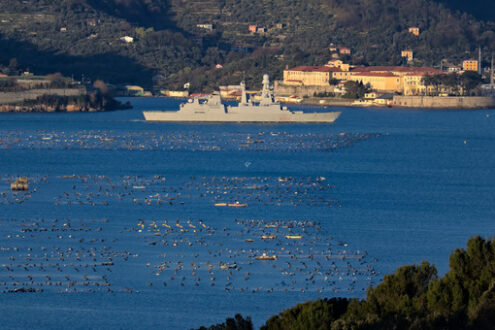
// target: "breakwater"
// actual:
[[442, 102]]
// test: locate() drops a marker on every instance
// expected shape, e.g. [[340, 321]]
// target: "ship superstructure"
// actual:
[[266, 111]]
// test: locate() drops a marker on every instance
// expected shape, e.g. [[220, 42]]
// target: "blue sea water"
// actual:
[[378, 189]]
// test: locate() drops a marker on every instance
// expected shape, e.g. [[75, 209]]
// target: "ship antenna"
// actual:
[[266, 97]]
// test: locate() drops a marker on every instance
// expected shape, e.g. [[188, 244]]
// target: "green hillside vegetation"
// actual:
[[82, 37], [415, 297]]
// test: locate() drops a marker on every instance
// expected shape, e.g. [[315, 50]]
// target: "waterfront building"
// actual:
[[133, 90], [386, 79], [336, 63], [313, 75], [379, 81], [399, 79]]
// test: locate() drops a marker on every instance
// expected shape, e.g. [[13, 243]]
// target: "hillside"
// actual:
[[83, 37]]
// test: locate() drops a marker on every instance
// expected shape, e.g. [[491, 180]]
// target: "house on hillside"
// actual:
[[207, 27], [470, 65], [127, 39], [414, 30], [407, 54], [261, 30]]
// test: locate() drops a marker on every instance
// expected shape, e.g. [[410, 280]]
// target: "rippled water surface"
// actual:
[[129, 224]]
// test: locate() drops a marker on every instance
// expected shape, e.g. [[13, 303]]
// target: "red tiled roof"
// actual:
[[396, 69], [376, 74], [315, 69]]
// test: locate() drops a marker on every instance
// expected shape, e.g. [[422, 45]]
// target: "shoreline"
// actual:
[[432, 102], [415, 102]]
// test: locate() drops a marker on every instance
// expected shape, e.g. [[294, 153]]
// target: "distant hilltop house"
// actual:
[[207, 27], [414, 30], [449, 67], [470, 65], [91, 22], [407, 54], [63, 29], [127, 39], [257, 29]]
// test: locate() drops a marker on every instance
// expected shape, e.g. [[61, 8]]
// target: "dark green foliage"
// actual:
[[311, 315], [470, 80], [472, 272], [90, 102], [236, 323], [355, 90], [169, 49], [412, 298]]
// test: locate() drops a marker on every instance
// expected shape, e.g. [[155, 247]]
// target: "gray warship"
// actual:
[[266, 111]]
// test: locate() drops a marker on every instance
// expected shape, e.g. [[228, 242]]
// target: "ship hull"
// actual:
[[282, 117]]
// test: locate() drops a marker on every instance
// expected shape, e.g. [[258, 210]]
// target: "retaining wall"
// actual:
[[281, 89], [441, 102], [14, 97]]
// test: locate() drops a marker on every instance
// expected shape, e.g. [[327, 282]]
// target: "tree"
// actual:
[[412, 298], [236, 323], [13, 66], [101, 87], [469, 81], [311, 315], [354, 89]]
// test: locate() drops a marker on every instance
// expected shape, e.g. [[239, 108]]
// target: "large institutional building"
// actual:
[[397, 79]]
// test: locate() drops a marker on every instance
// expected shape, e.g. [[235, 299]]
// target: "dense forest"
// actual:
[[415, 297], [83, 37]]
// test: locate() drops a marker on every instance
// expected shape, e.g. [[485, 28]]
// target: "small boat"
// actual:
[[268, 237], [293, 237], [227, 266], [249, 240], [220, 204], [237, 204], [20, 184], [266, 257]]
